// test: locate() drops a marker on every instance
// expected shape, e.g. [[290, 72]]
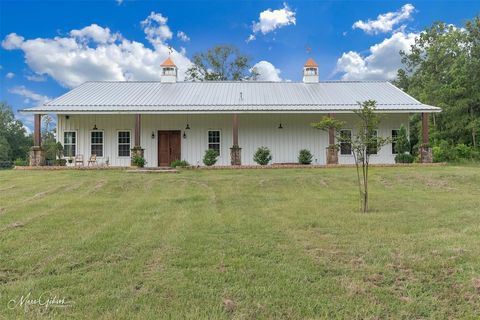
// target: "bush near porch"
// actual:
[[219, 244]]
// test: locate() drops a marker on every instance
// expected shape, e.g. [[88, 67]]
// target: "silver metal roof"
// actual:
[[228, 96]]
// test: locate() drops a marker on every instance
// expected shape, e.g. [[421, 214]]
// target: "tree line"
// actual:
[[443, 69]]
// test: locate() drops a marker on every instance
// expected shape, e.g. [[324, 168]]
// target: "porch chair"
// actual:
[[92, 160], [79, 160]]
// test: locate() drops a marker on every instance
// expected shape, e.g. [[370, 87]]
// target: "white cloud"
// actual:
[[270, 20], [10, 75], [119, 2], [95, 33], [24, 92], [36, 78], [183, 36], [12, 41], [385, 22], [156, 28], [70, 60], [266, 71], [381, 63]]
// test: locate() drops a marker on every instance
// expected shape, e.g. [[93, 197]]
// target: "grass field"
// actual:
[[243, 244]]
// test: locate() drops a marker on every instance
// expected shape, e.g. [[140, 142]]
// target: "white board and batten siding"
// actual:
[[255, 130]]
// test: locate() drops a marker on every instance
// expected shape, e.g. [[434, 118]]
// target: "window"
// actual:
[[214, 140], [345, 141], [372, 148], [168, 71], [69, 143], [96, 143], [124, 143], [394, 141], [311, 71]]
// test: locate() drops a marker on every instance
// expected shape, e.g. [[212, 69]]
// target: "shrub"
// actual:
[[305, 156], [138, 161], [179, 163], [6, 164], [262, 156], [61, 162], [402, 143], [19, 162], [404, 158], [210, 157]]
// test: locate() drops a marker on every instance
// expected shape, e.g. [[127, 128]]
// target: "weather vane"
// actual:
[[170, 50]]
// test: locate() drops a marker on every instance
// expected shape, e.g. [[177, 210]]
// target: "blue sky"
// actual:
[[49, 47]]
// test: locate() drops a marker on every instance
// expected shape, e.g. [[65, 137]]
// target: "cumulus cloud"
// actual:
[[29, 95], [183, 36], [156, 28], [381, 63], [10, 75], [386, 21], [266, 71], [95, 33], [270, 20], [72, 60]]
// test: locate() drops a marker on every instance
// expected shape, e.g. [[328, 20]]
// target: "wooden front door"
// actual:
[[168, 147]]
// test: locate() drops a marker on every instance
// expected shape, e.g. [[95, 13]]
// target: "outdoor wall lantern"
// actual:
[[280, 126], [187, 127], [153, 135], [185, 134]]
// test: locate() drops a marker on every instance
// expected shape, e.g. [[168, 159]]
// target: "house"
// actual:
[[169, 119]]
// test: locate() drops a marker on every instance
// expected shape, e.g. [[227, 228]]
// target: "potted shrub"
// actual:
[[70, 160], [138, 161], [210, 157], [305, 157], [262, 156]]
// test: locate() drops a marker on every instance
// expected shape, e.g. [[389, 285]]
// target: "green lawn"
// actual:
[[243, 244]]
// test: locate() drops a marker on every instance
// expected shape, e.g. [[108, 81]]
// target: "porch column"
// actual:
[[235, 150], [332, 150], [37, 154], [137, 148], [425, 148]]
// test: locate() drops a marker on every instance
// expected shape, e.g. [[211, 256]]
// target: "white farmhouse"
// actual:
[[168, 119]]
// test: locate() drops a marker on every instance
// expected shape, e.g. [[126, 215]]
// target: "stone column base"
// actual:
[[332, 155], [37, 156], [136, 151], [236, 155], [426, 155]]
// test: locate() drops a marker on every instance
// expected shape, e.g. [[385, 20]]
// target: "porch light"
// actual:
[[187, 127], [95, 127], [153, 135], [185, 135], [280, 126]]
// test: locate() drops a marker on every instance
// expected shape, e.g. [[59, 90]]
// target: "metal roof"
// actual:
[[229, 96]]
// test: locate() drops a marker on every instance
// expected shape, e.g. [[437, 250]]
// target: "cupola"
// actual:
[[169, 71], [310, 71]]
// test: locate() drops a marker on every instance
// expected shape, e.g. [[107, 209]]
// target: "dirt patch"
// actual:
[[229, 305], [13, 226], [7, 188], [476, 284], [99, 185]]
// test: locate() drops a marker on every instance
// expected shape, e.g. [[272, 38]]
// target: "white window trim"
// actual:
[[90, 143], [220, 143], [118, 144], [391, 143], [76, 141], [340, 149]]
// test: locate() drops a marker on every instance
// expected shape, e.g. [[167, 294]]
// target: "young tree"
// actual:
[[220, 63], [364, 142]]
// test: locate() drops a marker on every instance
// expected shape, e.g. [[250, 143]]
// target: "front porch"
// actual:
[[162, 138]]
